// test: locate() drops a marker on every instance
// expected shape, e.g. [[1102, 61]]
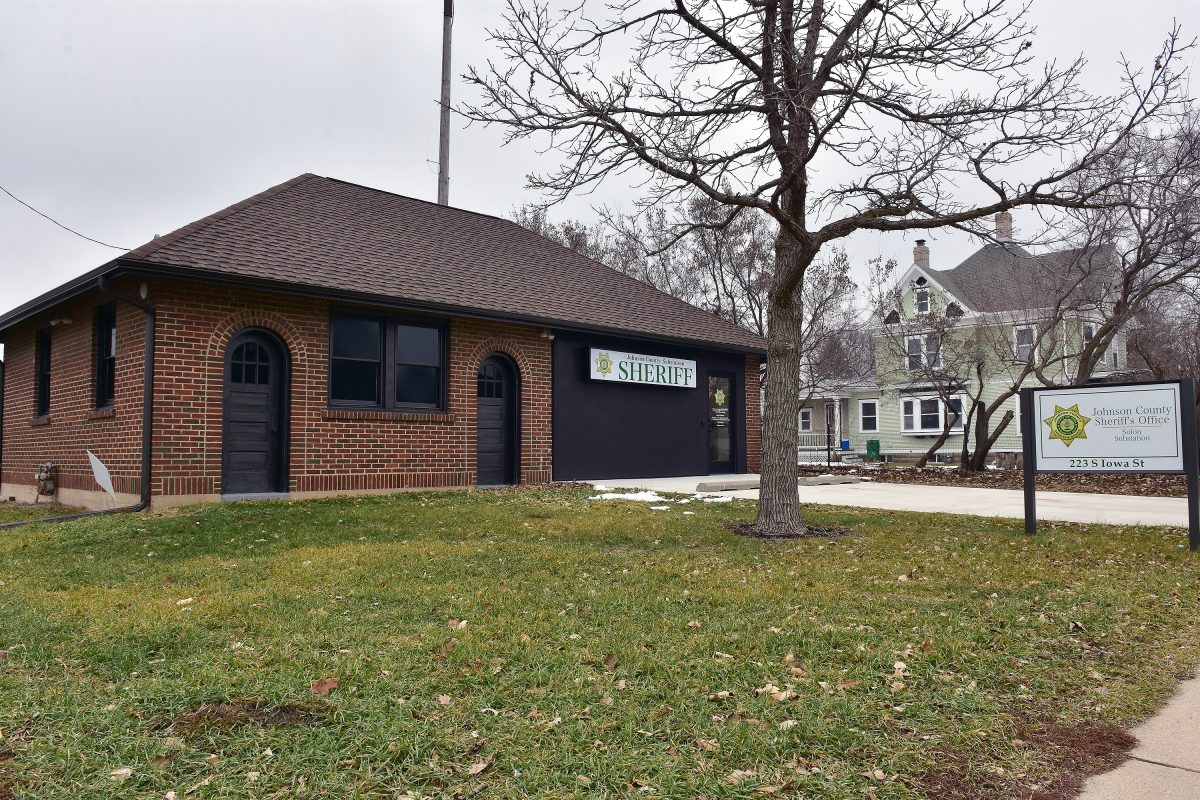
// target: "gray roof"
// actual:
[[322, 235], [1007, 277]]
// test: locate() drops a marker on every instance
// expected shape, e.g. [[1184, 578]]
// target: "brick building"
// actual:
[[326, 338]]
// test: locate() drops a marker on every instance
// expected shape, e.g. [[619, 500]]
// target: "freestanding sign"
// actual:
[[1115, 427], [612, 365]]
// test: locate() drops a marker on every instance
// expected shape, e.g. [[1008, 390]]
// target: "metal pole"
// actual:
[[444, 135], [1029, 460], [1191, 460]]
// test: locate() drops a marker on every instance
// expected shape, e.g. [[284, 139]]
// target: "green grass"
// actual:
[[595, 634], [16, 512]]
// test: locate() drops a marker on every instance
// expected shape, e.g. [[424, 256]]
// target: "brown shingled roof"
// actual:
[[331, 235]]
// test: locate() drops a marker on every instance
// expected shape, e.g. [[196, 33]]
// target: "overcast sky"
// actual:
[[127, 118]]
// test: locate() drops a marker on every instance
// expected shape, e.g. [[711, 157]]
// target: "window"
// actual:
[[1089, 333], [1024, 343], [927, 414], [806, 419], [931, 414], [418, 378], [914, 357], [922, 301], [250, 364], [42, 394], [106, 355], [386, 363], [955, 409], [933, 351], [868, 415], [923, 351]]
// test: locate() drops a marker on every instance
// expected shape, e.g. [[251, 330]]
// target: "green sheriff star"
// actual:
[[1068, 424], [604, 364]]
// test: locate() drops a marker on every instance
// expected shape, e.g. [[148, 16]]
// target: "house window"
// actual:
[[806, 419], [927, 414], [1089, 333], [868, 416], [933, 351], [922, 301], [914, 359], [106, 355], [42, 393], [418, 378], [1023, 344], [955, 409], [923, 351], [931, 414], [382, 363]]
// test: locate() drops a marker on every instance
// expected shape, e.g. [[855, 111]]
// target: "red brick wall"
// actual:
[[753, 416], [74, 425], [331, 450]]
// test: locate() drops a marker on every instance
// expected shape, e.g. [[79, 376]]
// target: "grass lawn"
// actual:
[[532, 643]]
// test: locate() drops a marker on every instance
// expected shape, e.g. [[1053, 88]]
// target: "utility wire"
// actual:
[[59, 224]]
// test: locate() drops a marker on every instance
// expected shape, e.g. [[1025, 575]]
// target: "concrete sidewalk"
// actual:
[[1109, 509], [1165, 765]]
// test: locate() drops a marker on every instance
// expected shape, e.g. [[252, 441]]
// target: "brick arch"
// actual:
[[507, 347], [229, 327]]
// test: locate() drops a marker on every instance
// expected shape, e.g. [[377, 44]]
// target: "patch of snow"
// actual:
[[600, 488], [638, 497], [660, 508], [724, 499], [689, 513]]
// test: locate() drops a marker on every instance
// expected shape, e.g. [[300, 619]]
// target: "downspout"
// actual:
[[147, 419]]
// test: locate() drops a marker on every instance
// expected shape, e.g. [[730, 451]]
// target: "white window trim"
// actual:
[[923, 339], [916, 399], [806, 424], [917, 299], [861, 403]]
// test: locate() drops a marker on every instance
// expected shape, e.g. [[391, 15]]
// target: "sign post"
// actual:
[[1112, 428]]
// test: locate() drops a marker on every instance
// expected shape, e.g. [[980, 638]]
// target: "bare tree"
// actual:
[[824, 115], [1143, 244]]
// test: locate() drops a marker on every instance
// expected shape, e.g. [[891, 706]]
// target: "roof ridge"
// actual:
[[159, 242]]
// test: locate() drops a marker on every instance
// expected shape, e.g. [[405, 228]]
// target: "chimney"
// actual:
[[921, 254], [444, 133], [1004, 226]]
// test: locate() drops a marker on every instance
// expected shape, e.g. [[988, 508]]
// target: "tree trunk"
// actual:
[[923, 461], [779, 484]]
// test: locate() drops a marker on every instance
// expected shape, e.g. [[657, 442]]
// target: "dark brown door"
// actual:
[[255, 374], [720, 423], [496, 448]]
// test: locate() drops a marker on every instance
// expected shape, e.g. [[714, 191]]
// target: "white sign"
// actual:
[[613, 365], [1118, 429]]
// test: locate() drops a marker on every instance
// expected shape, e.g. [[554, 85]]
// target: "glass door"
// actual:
[[720, 423]]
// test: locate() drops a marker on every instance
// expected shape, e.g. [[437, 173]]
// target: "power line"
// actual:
[[59, 224]]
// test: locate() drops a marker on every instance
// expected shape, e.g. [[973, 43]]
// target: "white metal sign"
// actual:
[[613, 365], [1109, 429]]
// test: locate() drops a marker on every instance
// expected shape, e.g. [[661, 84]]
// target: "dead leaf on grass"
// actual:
[[324, 686], [610, 661], [480, 766]]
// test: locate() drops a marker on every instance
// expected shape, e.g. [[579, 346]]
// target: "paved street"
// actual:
[[1062, 506]]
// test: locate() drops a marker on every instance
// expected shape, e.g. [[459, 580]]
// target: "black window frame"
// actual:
[[43, 360], [386, 396], [104, 371]]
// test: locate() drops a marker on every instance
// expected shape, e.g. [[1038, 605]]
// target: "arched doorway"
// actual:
[[254, 449], [497, 423]]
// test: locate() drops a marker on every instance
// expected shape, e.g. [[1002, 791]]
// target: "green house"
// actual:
[[1001, 319]]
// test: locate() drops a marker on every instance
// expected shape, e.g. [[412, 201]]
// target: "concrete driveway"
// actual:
[[1109, 509]]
